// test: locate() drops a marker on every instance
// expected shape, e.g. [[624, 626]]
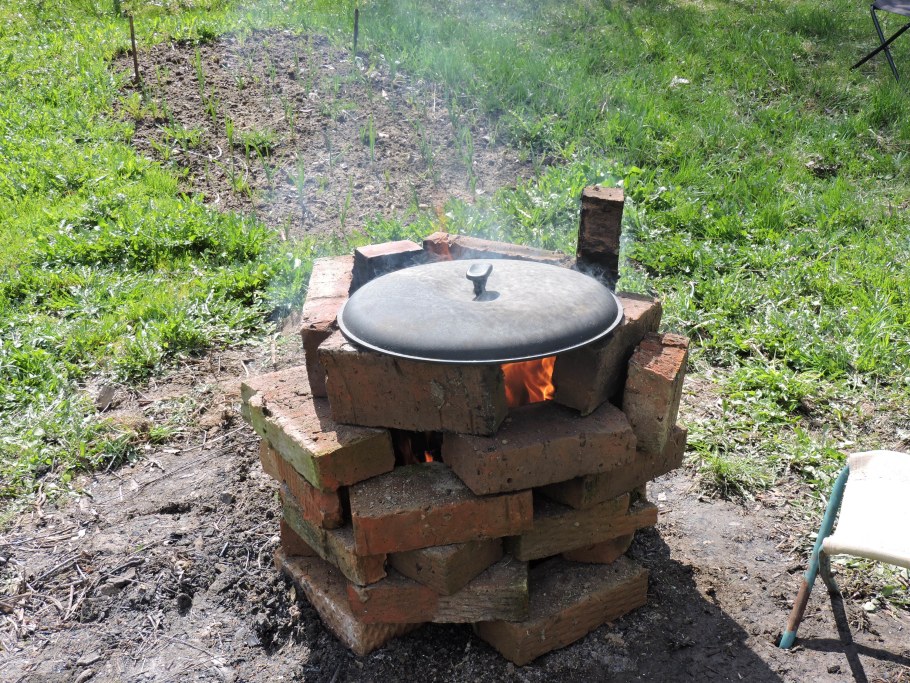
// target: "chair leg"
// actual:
[[824, 568], [885, 44], [805, 589]]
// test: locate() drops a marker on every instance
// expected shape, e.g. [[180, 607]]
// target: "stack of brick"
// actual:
[[522, 528]]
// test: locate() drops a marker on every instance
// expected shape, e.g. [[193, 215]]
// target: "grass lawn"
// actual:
[[767, 188]]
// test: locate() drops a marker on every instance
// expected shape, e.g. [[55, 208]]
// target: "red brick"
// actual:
[[424, 505], [595, 373], [322, 508], [500, 592], [292, 544], [299, 426], [539, 444], [654, 389], [379, 390], [446, 569], [327, 291], [447, 247], [584, 492], [599, 229], [568, 601], [335, 546], [324, 587], [374, 260], [558, 528], [601, 553]]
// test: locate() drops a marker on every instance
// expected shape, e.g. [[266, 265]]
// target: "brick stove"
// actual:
[[418, 492]]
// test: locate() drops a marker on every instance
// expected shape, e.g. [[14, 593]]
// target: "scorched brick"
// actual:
[[335, 546], [327, 291], [374, 260], [586, 377], [540, 444], [600, 227], [568, 601], [500, 592], [584, 492], [445, 246], [447, 568], [324, 587], [379, 390], [424, 505], [299, 426], [322, 508]]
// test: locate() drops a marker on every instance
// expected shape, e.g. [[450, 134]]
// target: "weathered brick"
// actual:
[[539, 444], [298, 425], [584, 492], [558, 528], [500, 592], [604, 552], [599, 230], [335, 546], [379, 390], [447, 247], [424, 505], [568, 601], [446, 569], [324, 587], [330, 281], [322, 508], [374, 260], [291, 543], [595, 373], [654, 389]]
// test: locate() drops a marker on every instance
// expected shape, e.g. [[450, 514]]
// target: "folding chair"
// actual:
[[901, 7], [875, 489]]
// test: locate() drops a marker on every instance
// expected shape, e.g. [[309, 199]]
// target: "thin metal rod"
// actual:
[[805, 589], [136, 78]]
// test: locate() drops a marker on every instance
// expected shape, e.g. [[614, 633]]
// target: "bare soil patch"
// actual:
[[309, 138]]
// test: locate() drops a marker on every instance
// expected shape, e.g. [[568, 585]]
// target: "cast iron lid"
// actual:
[[479, 311]]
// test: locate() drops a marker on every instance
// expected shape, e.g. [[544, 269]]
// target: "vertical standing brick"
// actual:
[[335, 546], [418, 506], [584, 492], [500, 592], [322, 508], [447, 247], [600, 228], [654, 389], [595, 373], [446, 569], [327, 291], [540, 444], [299, 426], [379, 390], [374, 260], [324, 587], [568, 601]]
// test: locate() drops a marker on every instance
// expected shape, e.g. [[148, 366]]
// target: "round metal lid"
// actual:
[[479, 311]]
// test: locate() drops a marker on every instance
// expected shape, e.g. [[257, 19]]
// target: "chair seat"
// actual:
[[893, 6], [875, 511]]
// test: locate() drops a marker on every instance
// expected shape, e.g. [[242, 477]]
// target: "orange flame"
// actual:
[[427, 456], [530, 381]]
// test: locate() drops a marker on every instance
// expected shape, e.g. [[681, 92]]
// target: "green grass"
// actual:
[[791, 282]]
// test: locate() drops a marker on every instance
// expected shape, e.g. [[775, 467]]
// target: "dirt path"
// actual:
[[162, 571]]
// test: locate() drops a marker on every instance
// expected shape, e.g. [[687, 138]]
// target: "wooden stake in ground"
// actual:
[[136, 78], [356, 27]]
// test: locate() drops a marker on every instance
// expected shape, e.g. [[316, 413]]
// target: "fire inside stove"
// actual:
[[529, 381]]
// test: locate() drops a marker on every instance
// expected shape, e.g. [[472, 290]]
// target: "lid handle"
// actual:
[[478, 274]]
